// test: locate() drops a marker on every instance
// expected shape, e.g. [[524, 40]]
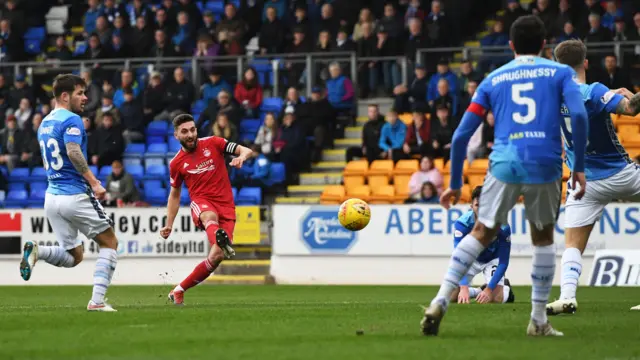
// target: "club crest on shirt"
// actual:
[[607, 97], [186, 165], [73, 131], [206, 152]]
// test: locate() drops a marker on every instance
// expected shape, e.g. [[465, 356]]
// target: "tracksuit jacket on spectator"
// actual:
[[179, 96], [392, 136], [118, 96], [432, 91], [210, 90], [340, 92], [371, 132]]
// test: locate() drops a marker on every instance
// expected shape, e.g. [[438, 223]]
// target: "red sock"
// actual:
[[211, 227], [198, 275]]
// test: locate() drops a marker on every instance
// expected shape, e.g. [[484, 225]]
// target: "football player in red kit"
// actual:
[[200, 164]]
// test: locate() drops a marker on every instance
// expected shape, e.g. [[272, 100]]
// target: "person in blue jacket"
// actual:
[[492, 262], [392, 137], [443, 73]]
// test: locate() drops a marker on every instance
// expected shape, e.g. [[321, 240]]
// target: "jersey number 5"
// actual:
[[519, 99], [56, 159]]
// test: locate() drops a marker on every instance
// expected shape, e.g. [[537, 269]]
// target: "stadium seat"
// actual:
[[356, 167], [137, 171], [249, 196], [215, 6], [155, 172], [362, 192], [566, 172], [4, 170], [185, 199], [19, 175], [134, 150], [155, 140], [94, 169], [353, 180], [234, 192], [16, 199], [383, 194], [271, 105], [157, 128], [3, 195], [17, 186], [156, 197], [474, 180], [401, 184], [250, 125], [198, 107], [447, 167], [277, 174], [407, 119], [406, 167], [152, 184], [157, 150], [465, 194], [174, 145], [381, 167], [80, 49], [248, 137], [37, 194], [105, 170], [128, 161], [38, 174], [478, 167], [40, 185], [439, 164], [376, 181], [33, 40], [332, 194]]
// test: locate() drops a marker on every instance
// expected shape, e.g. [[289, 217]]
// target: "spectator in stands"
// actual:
[[438, 26], [613, 76], [443, 73], [343, 42], [597, 33], [162, 48], [292, 99], [11, 143], [132, 118], [96, 51], [371, 132], [590, 7], [61, 51], [317, 118], [300, 20], [119, 49], [108, 142], [223, 128], [184, 40], [328, 21], [446, 97], [428, 194], [300, 45], [366, 16], [324, 45], [547, 14], [121, 188], [126, 82], [279, 6], [31, 156], [209, 26], [207, 50], [340, 91], [102, 30], [88, 129], [620, 32], [611, 15], [163, 24], [492, 59], [4, 87], [248, 93], [266, 134], [4, 107], [467, 74], [23, 113], [465, 100], [514, 10], [120, 28], [406, 98], [565, 14], [217, 83], [139, 10], [254, 171], [391, 22], [152, 100], [45, 109], [111, 10], [392, 137], [414, 10], [192, 10], [387, 47], [289, 145], [171, 9], [488, 130], [91, 16], [568, 33], [178, 98], [367, 72], [141, 38], [11, 43], [232, 27], [427, 173], [271, 39], [416, 142], [107, 107], [19, 91], [225, 105], [93, 92], [442, 132], [415, 42]]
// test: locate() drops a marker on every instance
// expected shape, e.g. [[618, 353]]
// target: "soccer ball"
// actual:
[[354, 214]]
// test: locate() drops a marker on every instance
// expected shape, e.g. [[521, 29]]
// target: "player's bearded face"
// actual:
[[78, 100], [187, 134]]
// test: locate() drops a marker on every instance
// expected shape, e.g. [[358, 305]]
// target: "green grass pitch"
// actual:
[[304, 322]]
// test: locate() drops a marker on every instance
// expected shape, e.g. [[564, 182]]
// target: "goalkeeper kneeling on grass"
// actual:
[[492, 262]]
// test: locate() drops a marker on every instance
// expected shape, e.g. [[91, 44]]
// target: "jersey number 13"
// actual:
[[53, 150]]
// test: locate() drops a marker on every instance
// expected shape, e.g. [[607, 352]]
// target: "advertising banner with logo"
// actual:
[[616, 268], [425, 230], [137, 230]]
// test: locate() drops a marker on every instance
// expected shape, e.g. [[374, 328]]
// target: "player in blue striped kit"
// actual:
[[611, 174], [526, 160], [492, 262]]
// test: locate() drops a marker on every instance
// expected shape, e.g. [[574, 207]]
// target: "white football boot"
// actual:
[[562, 306], [542, 330]]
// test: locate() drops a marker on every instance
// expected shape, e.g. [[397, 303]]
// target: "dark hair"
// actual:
[[66, 83], [127, 90], [181, 119], [571, 53], [249, 84], [527, 34], [475, 194], [430, 185]]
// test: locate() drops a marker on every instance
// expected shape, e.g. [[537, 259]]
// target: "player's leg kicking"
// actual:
[[216, 228], [67, 215]]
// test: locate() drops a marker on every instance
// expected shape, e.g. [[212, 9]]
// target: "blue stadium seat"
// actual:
[[38, 174], [155, 140], [152, 184], [105, 170], [271, 104], [33, 39], [157, 150], [19, 175], [174, 145], [134, 151], [37, 194], [249, 196], [185, 199], [4, 170], [17, 186], [40, 185], [3, 195], [128, 161], [277, 174], [81, 48], [16, 199], [248, 137], [156, 197], [215, 6], [137, 171], [94, 169], [250, 125], [170, 131], [156, 172], [234, 191], [34, 33], [157, 128], [198, 107]]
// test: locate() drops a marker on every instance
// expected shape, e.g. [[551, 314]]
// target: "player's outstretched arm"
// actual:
[[242, 154], [630, 105], [173, 205], [74, 152]]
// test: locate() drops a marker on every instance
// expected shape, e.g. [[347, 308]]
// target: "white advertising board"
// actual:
[[616, 268]]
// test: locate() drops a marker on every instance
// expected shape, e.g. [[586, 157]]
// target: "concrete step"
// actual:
[[320, 178], [240, 279], [305, 190], [347, 143], [252, 252], [334, 154], [244, 267], [353, 132], [333, 166], [298, 200]]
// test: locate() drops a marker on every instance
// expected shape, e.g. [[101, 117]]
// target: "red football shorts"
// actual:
[[226, 216]]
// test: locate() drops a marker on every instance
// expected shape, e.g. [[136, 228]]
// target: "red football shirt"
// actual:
[[204, 170]]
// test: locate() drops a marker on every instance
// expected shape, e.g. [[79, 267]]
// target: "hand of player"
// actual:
[[98, 190], [624, 92], [165, 232], [449, 197], [463, 295], [237, 162], [578, 185], [485, 296]]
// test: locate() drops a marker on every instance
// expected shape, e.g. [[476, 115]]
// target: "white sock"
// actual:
[[178, 288], [571, 270], [55, 255], [543, 269], [105, 266], [505, 293], [473, 292], [461, 260]]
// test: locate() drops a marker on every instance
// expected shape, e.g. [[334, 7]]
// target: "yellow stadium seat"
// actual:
[[564, 191], [407, 119], [381, 167], [362, 192], [439, 164], [406, 167], [633, 151], [474, 180], [401, 184], [629, 129], [384, 194], [566, 172], [478, 166], [353, 180], [376, 181], [465, 196], [332, 194], [447, 167], [356, 167], [446, 179], [627, 120]]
